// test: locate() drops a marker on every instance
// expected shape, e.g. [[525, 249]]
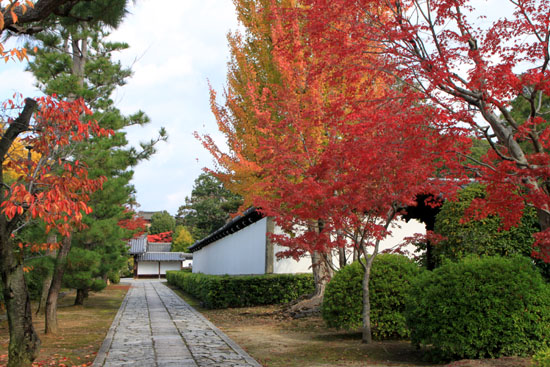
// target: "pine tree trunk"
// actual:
[[44, 296], [55, 287], [80, 295], [24, 342]]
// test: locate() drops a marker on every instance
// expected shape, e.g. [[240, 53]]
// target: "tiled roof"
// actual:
[[138, 245], [159, 247], [250, 216], [147, 215], [164, 256]]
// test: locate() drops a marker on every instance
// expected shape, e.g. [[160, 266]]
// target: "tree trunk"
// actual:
[[81, 294], [321, 272], [52, 238], [342, 260], [355, 255], [544, 219], [342, 257], [366, 336], [24, 342], [44, 296], [55, 287]]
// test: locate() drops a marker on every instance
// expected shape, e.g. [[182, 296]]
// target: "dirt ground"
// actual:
[[82, 329], [277, 341], [273, 340]]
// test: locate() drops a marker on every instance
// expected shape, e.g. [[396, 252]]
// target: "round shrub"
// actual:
[[389, 283], [480, 307]]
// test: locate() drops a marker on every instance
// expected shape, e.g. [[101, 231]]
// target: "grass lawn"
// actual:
[[82, 329], [277, 341]]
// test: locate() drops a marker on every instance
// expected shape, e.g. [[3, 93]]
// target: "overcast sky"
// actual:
[[176, 47]]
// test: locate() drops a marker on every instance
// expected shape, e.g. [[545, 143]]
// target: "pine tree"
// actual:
[[74, 60], [209, 206]]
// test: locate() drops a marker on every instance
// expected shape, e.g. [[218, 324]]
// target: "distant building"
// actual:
[[147, 216], [154, 259]]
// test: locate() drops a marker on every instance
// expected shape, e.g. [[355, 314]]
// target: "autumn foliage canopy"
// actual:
[[53, 187], [484, 72], [165, 237]]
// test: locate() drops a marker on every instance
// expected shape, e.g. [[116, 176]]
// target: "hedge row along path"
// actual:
[[155, 327]]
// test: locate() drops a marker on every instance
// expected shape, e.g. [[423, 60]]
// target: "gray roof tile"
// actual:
[[138, 245], [164, 256]]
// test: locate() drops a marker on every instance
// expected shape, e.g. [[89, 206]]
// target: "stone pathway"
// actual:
[[154, 327]]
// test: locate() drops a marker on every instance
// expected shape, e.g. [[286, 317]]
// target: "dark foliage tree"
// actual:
[[162, 222], [209, 206]]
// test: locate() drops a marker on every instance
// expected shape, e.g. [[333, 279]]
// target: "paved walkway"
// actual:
[[154, 327]]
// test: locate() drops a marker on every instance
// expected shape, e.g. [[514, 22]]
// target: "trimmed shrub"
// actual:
[[389, 284], [480, 307], [480, 237], [223, 291], [542, 357]]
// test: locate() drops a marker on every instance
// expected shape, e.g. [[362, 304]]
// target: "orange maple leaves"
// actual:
[[55, 187], [10, 9]]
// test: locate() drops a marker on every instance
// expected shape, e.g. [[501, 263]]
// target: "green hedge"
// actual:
[[222, 291], [542, 357], [389, 284], [480, 307]]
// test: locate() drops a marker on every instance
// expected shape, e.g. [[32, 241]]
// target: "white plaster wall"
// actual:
[[242, 252], [148, 267], [169, 265], [289, 265], [400, 232], [187, 263]]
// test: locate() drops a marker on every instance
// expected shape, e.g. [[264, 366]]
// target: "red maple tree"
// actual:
[[165, 237], [487, 74], [54, 188], [136, 224], [342, 147]]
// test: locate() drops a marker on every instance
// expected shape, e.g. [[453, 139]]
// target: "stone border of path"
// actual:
[[102, 353], [106, 345], [222, 335]]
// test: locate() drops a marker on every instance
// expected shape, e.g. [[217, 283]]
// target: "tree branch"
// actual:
[[41, 10], [19, 125]]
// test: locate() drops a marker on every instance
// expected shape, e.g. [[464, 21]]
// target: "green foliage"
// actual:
[[75, 60], [162, 222], [83, 270], [223, 291], [389, 283], [480, 307], [182, 239], [209, 206], [128, 269], [542, 357], [480, 237], [39, 269]]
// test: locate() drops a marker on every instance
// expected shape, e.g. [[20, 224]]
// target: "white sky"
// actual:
[[176, 47]]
